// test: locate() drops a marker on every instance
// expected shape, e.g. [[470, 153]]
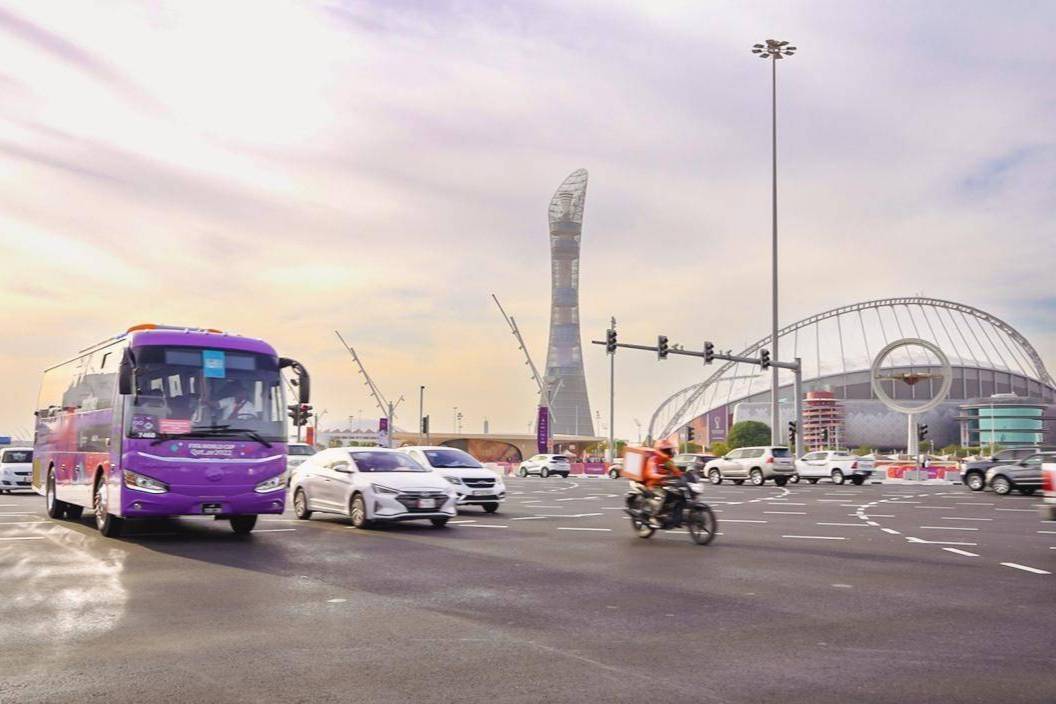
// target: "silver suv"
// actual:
[[753, 463], [545, 466]]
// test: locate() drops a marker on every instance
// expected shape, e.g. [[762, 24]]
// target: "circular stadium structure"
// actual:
[[992, 363]]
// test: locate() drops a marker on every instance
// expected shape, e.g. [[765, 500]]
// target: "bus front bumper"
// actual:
[[201, 501]]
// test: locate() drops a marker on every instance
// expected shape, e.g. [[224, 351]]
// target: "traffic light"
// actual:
[[305, 413], [764, 359], [610, 341], [922, 431], [709, 353], [792, 429], [662, 348], [294, 413], [690, 433], [425, 425]]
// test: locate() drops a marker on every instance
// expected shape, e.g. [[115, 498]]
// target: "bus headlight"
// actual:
[[274, 484], [142, 483]]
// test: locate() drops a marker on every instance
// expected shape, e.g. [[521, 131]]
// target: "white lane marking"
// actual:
[[23, 513], [274, 530], [849, 525], [788, 513], [10, 504], [874, 524], [973, 503], [541, 506], [892, 531], [815, 537], [612, 508], [26, 523], [1048, 532], [833, 501], [944, 508], [604, 530], [790, 503], [957, 551], [742, 520], [526, 518], [911, 539], [1028, 510], [903, 502], [877, 515], [25, 537], [336, 601], [455, 523], [962, 518], [483, 525], [1033, 570], [947, 528]]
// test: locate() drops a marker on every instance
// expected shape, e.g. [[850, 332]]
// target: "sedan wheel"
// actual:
[[1001, 485], [757, 477], [357, 512], [715, 476], [300, 505]]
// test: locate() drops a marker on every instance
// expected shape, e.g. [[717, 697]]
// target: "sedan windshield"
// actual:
[[17, 456], [451, 459], [386, 462]]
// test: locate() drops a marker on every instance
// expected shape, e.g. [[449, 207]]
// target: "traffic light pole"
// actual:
[[662, 349], [610, 454]]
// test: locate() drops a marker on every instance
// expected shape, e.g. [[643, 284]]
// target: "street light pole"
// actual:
[[774, 50], [421, 407], [611, 454]]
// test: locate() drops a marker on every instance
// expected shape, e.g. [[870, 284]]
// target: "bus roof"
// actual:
[[190, 337]]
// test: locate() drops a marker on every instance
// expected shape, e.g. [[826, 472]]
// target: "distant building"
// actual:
[[1007, 420]]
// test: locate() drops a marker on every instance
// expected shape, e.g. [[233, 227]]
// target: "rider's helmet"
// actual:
[[666, 449]]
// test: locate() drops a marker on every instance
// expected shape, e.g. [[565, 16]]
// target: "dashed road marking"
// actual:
[[815, 537], [604, 530], [742, 520], [1048, 532], [957, 551], [963, 518], [892, 531], [25, 537], [1025, 568], [1027, 510], [483, 525], [947, 528], [788, 513], [456, 523], [911, 539], [849, 525], [973, 503]]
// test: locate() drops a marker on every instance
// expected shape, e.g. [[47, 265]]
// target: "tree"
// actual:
[[864, 450], [748, 433], [690, 447], [719, 448]]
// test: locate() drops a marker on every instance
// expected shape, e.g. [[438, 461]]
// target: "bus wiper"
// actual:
[[212, 430]]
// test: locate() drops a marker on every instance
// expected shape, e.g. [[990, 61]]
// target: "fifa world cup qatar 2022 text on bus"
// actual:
[[165, 421]]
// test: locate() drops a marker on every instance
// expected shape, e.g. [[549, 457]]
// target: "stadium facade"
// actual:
[[993, 366], [564, 381]]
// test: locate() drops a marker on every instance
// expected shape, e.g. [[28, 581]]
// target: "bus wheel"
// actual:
[[243, 525], [54, 507], [107, 523]]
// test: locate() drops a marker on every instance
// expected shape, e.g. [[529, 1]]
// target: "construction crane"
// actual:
[[546, 390], [387, 408]]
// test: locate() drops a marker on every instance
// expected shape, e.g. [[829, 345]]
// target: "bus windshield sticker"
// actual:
[[214, 363], [174, 426], [144, 426]]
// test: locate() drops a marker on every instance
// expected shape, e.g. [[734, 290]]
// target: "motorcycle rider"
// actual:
[[659, 468]]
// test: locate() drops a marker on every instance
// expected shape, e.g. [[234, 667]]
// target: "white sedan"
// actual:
[[475, 484], [371, 485]]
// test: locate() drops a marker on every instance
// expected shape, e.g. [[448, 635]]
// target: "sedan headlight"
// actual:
[[142, 483], [274, 484], [379, 489], [454, 480]]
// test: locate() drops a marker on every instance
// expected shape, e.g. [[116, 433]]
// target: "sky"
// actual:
[[287, 169]]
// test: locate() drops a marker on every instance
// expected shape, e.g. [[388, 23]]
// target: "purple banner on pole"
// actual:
[[542, 435]]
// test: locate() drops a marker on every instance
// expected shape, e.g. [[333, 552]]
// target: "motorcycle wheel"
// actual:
[[702, 525], [642, 528]]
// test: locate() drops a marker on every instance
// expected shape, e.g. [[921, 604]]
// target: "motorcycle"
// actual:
[[680, 507]]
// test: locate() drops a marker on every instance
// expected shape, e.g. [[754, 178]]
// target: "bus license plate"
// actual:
[[426, 503], [212, 508]]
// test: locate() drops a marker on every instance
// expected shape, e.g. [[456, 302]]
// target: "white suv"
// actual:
[[475, 484], [754, 463], [545, 465]]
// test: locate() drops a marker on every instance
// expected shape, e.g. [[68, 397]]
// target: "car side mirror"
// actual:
[[345, 467], [126, 374]]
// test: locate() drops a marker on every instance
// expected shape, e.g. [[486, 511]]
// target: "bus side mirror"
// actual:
[[126, 374], [304, 382]]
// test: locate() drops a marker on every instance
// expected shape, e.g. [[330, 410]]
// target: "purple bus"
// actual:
[[165, 421]]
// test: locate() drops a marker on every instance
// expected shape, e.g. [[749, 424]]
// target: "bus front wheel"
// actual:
[[54, 507], [243, 525], [108, 524]]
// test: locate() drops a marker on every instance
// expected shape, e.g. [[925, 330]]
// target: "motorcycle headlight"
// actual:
[[379, 489], [454, 480], [274, 484], [139, 482]]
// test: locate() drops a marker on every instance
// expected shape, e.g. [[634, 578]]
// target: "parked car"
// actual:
[[296, 454], [16, 469], [754, 463], [689, 460], [837, 465], [1023, 476], [475, 484], [544, 466], [372, 485], [973, 474], [615, 468], [1048, 485]]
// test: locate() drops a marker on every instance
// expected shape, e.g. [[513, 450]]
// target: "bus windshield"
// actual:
[[181, 390]]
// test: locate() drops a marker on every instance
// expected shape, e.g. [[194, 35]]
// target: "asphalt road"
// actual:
[[879, 593]]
